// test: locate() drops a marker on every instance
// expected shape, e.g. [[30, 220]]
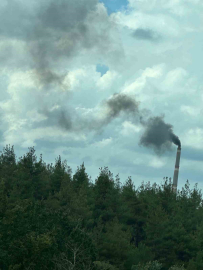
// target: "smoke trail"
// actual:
[[52, 32], [110, 109], [157, 134], [121, 103], [59, 30]]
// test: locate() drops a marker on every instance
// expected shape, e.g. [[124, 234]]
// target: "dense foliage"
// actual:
[[51, 219]]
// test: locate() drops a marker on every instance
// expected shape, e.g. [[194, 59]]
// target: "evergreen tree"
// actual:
[[50, 219], [107, 199], [8, 168], [113, 244]]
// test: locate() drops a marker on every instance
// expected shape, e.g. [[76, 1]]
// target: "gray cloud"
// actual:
[[87, 160], [146, 34], [192, 154], [67, 144], [129, 167]]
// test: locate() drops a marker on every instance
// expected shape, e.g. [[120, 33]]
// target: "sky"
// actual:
[[109, 83]]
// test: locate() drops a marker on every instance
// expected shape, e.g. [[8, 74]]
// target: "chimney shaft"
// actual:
[[176, 171]]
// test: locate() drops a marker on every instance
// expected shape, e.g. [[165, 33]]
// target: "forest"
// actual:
[[53, 218]]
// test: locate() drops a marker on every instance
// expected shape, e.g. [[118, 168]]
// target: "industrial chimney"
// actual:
[[176, 171]]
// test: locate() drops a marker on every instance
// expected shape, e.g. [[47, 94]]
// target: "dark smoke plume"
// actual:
[[56, 31], [59, 31], [58, 117], [158, 135], [121, 103], [115, 106], [53, 32]]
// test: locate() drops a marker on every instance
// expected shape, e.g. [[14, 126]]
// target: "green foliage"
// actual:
[[80, 178], [8, 157], [38, 237], [139, 255], [155, 265], [59, 170], [113, 243], [107, 201], [104, 266], [196, 262], [176, 267], [3, 198], [50, 219]]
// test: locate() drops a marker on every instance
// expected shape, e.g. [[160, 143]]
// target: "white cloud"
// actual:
[[106, 81], [22, 136], [129, 129], [138, 85], [190, 110], [174, 77], [193, 138], [176, 7], [74, 77], [103, 143], [157, 163], [159, 22]]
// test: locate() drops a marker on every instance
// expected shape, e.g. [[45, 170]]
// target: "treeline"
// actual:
[[53, 219]]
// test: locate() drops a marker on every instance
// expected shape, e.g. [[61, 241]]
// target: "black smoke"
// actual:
[[158, 134], [121, 103], [59, 31], [52, 32]]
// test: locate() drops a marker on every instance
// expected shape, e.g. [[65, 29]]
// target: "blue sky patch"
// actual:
[[102, 69], [114, 5]]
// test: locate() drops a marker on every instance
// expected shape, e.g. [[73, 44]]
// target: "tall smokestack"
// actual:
[[176, 171]]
